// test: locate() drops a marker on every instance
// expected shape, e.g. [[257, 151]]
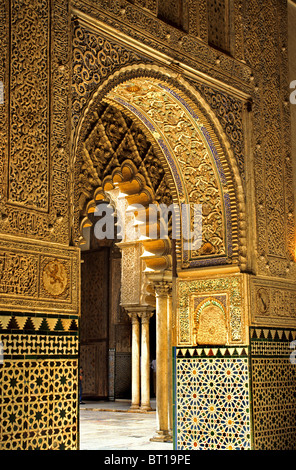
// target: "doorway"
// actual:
[[105, 327]]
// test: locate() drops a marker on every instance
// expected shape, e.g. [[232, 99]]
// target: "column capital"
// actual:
[[133, 316], [140, 311], [145, 315], [162, 288]]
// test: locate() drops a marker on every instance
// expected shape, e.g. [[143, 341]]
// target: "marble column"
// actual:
[[162, 290], [145, 359], [135, 360], [170, 361]]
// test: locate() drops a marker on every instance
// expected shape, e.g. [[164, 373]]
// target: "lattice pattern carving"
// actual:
[[266, 52], [113, 139], [218, 23]]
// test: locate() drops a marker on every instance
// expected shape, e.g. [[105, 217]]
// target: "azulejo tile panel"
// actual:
[[38, 382], [212, 399], [273, 388]]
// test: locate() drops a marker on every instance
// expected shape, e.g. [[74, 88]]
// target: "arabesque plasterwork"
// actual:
[[65, 69], [228, 294]]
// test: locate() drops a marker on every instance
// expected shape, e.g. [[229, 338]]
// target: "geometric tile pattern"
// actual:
[[38, 322], [273, 389], [212, 399], [38, 385]]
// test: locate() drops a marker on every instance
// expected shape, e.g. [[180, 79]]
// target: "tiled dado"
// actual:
[[237, 397], [273, 368], [212, 399], [38, 381]]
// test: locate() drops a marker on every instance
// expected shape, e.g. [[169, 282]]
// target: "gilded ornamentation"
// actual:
[[190, 143], [29, 87], [94, 58], [211, 248], [18, 274], [113, 139], [37, 67], [187, 48], [267, 26], [273, 302], [210, 323], [243, 136], [230, 321], [30, 277], [131, 274], [229, 111]]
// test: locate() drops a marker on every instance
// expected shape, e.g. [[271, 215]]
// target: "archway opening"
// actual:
[[144, 139]]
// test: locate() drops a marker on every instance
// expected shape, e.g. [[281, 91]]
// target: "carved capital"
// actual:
[[162, 288], [134, 317], [146, 315]]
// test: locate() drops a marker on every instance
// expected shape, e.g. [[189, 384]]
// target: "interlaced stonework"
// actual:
[[71, 115]]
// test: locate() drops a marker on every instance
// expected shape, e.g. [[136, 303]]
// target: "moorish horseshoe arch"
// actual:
[[204, 124], [201, 169]]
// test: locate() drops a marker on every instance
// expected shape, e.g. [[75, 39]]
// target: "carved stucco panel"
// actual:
[[35, 78], [226, 292], [34, 276], [130, 274]]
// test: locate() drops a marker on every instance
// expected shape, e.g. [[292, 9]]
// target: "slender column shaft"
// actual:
[[170, 366], [135, 361], [161, 291], [145, 361]]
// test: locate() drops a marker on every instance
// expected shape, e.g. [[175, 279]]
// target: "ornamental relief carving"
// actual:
[[94, 59], [34, 167], [270, 154], [187, 48], [88, 176], [55, 277], [211, 310], [266, 53], [229, 111], [273, 303], [190, 151], [29, 106], [270, 228], [114, 138], [18, 274], [210, 323], [39, 277]]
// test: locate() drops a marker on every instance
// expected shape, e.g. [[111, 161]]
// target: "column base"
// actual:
[[134, 407], [146, 408], [162, 436]]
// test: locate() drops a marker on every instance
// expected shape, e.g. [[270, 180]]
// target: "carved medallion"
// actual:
[[55, 277]]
